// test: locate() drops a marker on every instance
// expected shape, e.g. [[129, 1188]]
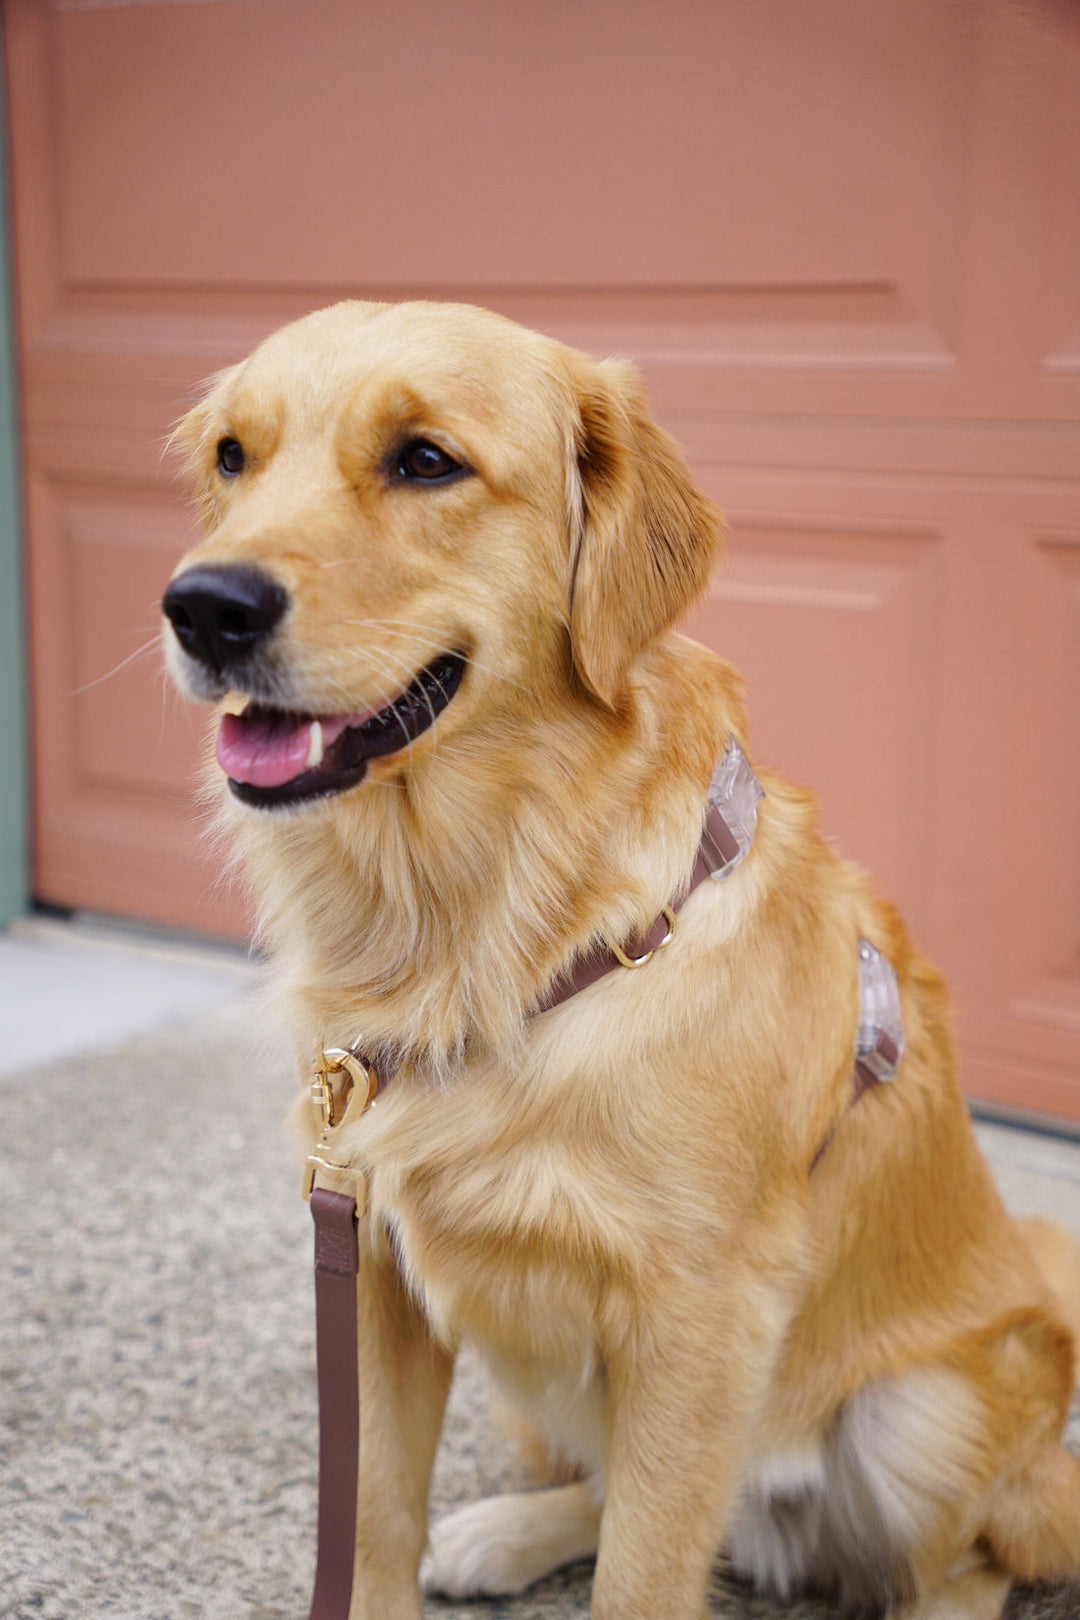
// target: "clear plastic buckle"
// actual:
[[880, 1042], [734, 793]]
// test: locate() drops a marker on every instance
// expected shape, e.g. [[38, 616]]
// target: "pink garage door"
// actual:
[[842, 241]]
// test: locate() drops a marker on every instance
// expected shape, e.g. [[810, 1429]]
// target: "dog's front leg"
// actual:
[[683, 1388], [404, 1380]]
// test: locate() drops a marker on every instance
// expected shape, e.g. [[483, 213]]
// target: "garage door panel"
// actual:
[[131, 730], [116, 753], [836, 634], [1040, 1010], [1009, 774], [1055, 563], [103, 559], [460, 144], [1060, 301]]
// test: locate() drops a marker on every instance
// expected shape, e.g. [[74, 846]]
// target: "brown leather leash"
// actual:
[[338, 1357], [726, 838]]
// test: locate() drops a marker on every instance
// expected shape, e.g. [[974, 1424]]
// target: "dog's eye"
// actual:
[[230, 457], [423, 462]]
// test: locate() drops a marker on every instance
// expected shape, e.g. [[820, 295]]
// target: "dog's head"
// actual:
[[418, 513]]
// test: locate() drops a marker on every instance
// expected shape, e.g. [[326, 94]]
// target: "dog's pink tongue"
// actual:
[[266, 749], [263, 749]]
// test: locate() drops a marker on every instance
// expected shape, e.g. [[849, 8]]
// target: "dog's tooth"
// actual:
[[315, 746]]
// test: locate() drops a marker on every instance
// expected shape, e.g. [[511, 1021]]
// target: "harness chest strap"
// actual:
[[730, 821]]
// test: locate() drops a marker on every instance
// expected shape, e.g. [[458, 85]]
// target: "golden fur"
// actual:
[[854, 1374]]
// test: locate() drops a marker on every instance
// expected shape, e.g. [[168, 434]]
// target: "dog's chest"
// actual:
[[511, 1289], [490, 1247], [506, 1222]]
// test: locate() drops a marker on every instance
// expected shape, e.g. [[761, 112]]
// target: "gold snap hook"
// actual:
[[331, 1099], [342, 1080]]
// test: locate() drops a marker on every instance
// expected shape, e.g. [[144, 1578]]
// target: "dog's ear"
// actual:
[[643, 536]]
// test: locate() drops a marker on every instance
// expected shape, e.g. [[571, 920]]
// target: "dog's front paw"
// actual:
[[476, 1552], [503, 1544]]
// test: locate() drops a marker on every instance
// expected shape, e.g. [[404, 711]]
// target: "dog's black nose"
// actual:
[[221, 614]]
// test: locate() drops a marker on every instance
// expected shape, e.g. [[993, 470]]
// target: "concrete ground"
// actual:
[[157, 1398]]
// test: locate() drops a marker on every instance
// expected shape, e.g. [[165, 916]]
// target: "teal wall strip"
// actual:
[[14, 819]]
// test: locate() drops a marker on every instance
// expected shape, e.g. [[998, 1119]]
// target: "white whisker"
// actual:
[[393, 706], [428, 640], [387, 703], [124, 662]]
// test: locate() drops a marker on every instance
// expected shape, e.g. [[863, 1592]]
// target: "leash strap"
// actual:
[[337, 1265]]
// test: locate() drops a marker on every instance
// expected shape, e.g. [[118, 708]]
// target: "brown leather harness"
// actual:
[[345, 1083]]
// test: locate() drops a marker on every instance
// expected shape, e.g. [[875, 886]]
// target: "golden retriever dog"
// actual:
[[757, 1295]]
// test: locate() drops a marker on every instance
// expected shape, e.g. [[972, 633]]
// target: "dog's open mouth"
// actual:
[[275, 758]]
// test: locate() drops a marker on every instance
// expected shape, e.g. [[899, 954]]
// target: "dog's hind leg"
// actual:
[[971, 1593], [1032, 1517], [503, 1544], [1057, 1255], [1034, 1523]]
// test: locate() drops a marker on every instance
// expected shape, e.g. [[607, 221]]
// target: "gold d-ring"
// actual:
[[640, 961]]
